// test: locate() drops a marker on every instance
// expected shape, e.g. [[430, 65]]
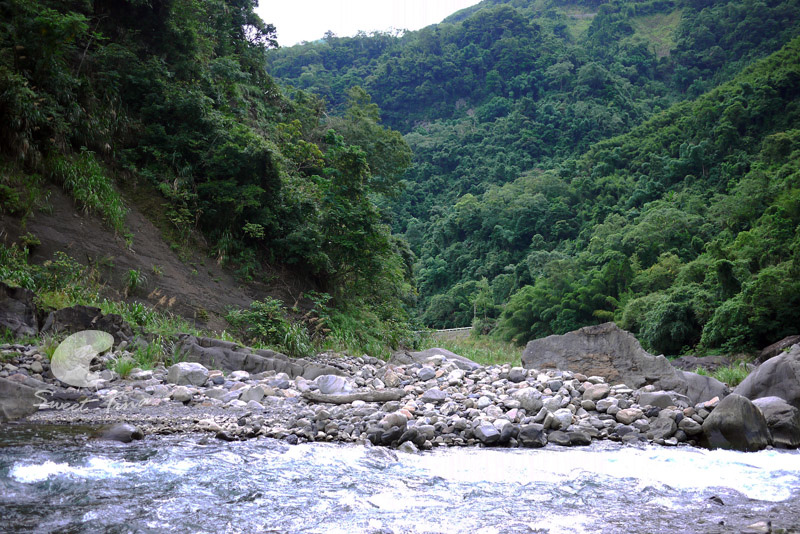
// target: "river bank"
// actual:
[[433, 399]]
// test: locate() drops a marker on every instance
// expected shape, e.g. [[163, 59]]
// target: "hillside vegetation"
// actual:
[[579, 162], [175, 94]]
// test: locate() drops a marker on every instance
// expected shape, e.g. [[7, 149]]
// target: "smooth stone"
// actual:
[[187, 374], [487, 434], [558, 437], [433, 395], [736, 423], [123, 432], [426, 373], [595, 392], [182, 394], [629, 415], [532, 435]]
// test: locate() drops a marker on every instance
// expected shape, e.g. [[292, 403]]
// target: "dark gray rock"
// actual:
[[219, 354], [433, 395], [783, 421], [690, 426], [122, 432], [517, 375], [17, 400], [487, 433], [426, 373], [701, 388], [558, 437], [659, 399], [17, 311], [578, 438], [187, 374], [736, 423], [532, 435], [662, 427], [80, 318], [603, 350], [777, 377], [778, 348]]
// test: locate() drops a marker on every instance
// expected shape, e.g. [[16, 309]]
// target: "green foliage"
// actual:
[[732, 374], [481, 349], [267, 323], [176, 93], [123, 365], [83, 178], [134, 280]]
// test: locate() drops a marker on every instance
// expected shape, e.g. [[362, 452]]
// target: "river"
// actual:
[[56, 479]]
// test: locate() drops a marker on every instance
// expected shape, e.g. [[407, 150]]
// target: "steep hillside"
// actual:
[[173, 96], [523, 216]]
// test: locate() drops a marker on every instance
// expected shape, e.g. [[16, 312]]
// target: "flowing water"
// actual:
[[62, 480]]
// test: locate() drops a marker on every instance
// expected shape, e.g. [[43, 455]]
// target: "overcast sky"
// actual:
[[308, 20]]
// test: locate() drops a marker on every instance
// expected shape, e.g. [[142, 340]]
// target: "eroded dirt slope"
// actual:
[[194, 286]]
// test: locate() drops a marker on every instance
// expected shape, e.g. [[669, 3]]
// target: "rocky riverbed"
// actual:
[[434, 400]]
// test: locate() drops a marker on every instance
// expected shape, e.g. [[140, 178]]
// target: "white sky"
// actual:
[[308, 20]]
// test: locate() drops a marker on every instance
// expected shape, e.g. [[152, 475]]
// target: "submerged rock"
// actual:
[[122, 432]]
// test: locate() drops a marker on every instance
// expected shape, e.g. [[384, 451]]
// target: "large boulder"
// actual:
[[79, 318], [17, 311], [429, 355], [783, 421], [17, 400], [777, 377], [736, 423], [604, 350], [219, 354], [778, 347], [702, 388]]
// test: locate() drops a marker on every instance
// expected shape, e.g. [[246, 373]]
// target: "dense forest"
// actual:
[[578, 162], [176, 94], [526, 166]]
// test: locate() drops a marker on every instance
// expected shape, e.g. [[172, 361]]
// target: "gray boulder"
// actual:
[[701, 388], [783, 421], [487, 434], [662, 427], [187, 374], [595, 392], [736, 423], [603, 350], [532, 435], [225, 355], [17, 400], [777, 348], [777, 377], [17, 311]]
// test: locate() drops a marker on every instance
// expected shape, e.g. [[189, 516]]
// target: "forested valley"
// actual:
[[527, 167], [582, 162]]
